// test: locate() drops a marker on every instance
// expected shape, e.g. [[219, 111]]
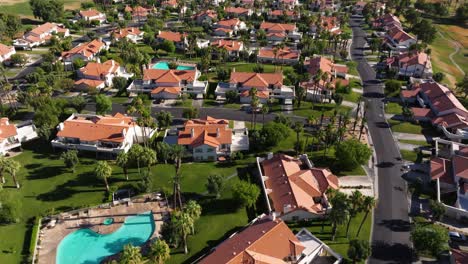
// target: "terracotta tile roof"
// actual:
[[296, 187], [90, 13], [226, 30], [166, 89], [451, 120], [4, 49], [171, 36], [319, 62], [284, 53], [123, 32], [138, 11], [460, 166], [169, 76], [229, 45], [97, 128], [441, 169], [228, 22], [409, 59], [258, 80], [237, 10], [441, 97], [399, 35], [87, 50], [210, 13], [267, 26], [171, 3], [410, 93], [100, 69], [89, 83], [328, 22], [459, 256], [44, 28], [422, 112], [265, 241], [209, 131], [261, 94], [7, 130], [279, 12]]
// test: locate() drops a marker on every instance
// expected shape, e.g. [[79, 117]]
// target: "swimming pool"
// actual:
[[162, 65], [85, 246]]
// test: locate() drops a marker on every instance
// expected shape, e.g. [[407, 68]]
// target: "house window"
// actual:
[[210, 150], [295, 218], [198, 150]]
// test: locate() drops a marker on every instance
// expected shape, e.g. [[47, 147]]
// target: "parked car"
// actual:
[[455, 236]]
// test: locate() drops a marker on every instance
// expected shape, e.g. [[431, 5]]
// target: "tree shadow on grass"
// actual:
[[212, 206], [46, 172], [33, 166], [69, 188]]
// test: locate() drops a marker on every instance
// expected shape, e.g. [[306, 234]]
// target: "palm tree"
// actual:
[[122, 161], [265, 110], [339, 213], [355, 200], [254, 102], [12, 167], [298, 128], [148, 157], [131, 255], [177, 153], [367, 205], [160, 251], [134, 154], [2, 169], [194, 210], [103, 171], [183, 225]]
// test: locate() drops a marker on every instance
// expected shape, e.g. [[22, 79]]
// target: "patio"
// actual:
[[61, 225]]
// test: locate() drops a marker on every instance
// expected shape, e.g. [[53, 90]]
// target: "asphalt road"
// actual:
[[390, 237]]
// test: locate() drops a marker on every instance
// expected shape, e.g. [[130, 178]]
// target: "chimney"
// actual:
[[192, 133], [272, 216], [217, 132]]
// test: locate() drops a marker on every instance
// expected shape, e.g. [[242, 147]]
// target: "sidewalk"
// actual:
[[408, 136]]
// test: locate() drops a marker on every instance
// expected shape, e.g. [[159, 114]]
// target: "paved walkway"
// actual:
[[356, 90], [406, 146], [408, 136], [349, 104], [239, 124], [457, 49]]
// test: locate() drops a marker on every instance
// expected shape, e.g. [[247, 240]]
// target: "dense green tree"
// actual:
[[160, 251], [437, 210], [120, 84], [392, 86], [70, 158], [462, 86], [164, 119], [47, 10], [10, 209], [103, 104], [245, 193], [438, 76], [123, 161], [430, 239], [10, 25], [359, 250], [352, 153], [272, 134], [19, 59], [167, 46], [78, 103], [190, 113], [131, 255], [215, 184], [425, 31], [462, 12]]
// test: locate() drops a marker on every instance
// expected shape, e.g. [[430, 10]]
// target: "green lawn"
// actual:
[[23, 9], [119, 99], [47, 185], [351, 97], [341, 243], [352, 68], [404, 127], [393, 108], [415, 142], [315, 109], [248, 67], [409, 155]]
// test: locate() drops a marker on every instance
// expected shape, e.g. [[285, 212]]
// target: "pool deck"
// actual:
[[93, 218]]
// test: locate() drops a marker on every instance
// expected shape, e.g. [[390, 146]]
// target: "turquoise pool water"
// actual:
[[162, 65], [85, 246]]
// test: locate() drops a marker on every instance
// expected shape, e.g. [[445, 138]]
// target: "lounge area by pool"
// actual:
[[85, 246], [162, 65]]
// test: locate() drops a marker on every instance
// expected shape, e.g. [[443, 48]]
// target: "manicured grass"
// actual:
[[47, 185], [119, 99], [415, 142], [232, 106], [328, 160], [315, 109], [341, 243], [22, 8], [393, 108], [352, 68], [404, 127], [248, 67], [409, 155], [351, 97]]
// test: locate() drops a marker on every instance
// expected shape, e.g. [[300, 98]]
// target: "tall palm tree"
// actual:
[[103, 171], [339, 213], [148, 157], [265, 110], [122, 161], [12, 167], [160, 251], [254, 102], [183, 224], [177, 152], [298, 128], [134, 154], [2, 169], [194, 210], [367, 205], [355, 200]]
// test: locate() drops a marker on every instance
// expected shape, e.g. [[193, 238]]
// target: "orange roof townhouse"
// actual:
[[179, 39], [274, 55], [12, 136], [294, 189], [98, 73], [40, 35], [138, 13], [327, 23], [170, 84], [386, 22], [104, 134], [438, 106], [228, 27], [323, 5], [233, 47], [411, 64], [210, 139], [238, 11], [169, 4], [85, 51], [398, 40], [278, 14], [449, 169], [268, 85], [278, 32], [6, 52], [132, 34], [206, 17], [269, 240], [91, 15], [285, 4]]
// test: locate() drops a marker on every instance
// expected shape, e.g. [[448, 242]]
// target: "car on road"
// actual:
[[455, 236]]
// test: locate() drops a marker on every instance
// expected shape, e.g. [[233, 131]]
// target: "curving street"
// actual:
[[390, 236]]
